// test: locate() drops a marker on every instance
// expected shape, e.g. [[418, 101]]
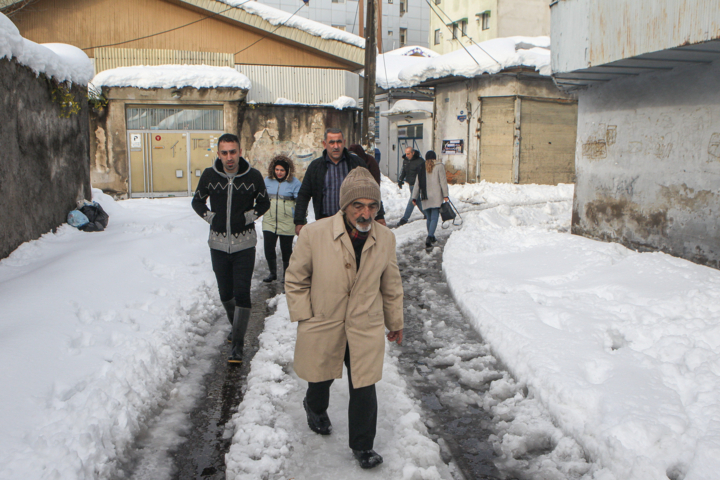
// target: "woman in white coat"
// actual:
[[432, 189]]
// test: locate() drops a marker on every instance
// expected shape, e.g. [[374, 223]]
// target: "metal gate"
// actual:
[[168, 163]]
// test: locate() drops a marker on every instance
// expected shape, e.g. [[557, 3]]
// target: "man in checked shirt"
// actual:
[[323, 178]]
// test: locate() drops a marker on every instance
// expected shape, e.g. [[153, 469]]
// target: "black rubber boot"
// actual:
[[318, 423], [240, 323], [368, 458], [230, 310], [428, 242], [272, 265]]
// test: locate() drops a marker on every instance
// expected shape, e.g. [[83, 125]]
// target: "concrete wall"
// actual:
[[45, 165], [296, 131], [108, 127], [453, 100], [648, 163]]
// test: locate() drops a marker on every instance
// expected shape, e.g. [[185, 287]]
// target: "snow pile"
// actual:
[[279, 17], [409, 106], [388, 65], [340, 103], [623, 348], [490, 56], [95, 329], [172, 76], [64, 63], [272, 439]]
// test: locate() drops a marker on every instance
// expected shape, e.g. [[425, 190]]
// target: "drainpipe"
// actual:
[[516, 143]]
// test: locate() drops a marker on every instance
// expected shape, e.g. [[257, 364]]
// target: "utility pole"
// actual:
[[368, 125]]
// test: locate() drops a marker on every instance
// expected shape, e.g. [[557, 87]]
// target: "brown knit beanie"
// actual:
[[359, 183]]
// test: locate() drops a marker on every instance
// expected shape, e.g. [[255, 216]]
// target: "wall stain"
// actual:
[[682, 196], [595, 149], [714, 147]]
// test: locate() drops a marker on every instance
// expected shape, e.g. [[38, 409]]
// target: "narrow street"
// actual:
[[447, 365]]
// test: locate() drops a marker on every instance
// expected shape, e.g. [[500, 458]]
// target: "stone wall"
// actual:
[[45, 165], [296, 131], [648, 163]]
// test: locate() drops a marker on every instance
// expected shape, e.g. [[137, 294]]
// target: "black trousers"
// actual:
[[362, 411], [270, 240], [234, 274]]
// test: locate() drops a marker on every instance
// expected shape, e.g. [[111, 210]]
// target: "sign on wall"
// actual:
[[452, 147], [135, 140]]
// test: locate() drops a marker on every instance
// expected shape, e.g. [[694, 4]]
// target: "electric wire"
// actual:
[[459, 41], [166, 31], [270, 33], [356, 17]]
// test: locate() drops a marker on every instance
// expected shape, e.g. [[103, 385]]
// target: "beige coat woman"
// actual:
[[336, 303]]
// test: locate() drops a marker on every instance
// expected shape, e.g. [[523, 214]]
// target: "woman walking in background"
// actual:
[[432, 189], [282, 188]]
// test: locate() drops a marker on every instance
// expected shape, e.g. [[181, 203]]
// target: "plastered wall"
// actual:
[[45, 165], [648, 163]]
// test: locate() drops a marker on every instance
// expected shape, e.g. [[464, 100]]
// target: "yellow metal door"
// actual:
[[496, 139], [203, 149], [169, 162], [138, 143]]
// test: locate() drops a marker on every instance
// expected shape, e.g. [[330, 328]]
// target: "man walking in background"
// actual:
[[343, 287], [323, 178], [412, 164], [237, 197]]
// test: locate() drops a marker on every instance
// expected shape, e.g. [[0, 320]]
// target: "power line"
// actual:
[[269, 33], [356, 17], [459, 41], [166, 31]]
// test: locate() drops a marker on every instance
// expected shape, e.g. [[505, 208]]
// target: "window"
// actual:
[[377, 122], [455, 30], [390, 33], [403, 7], [390, 1], [484, 19], [403, 37], [437, 2], [437, 37], [463, 27], [338, 1], [168, 118]]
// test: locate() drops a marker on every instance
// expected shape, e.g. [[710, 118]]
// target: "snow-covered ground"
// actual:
[[622, 348]]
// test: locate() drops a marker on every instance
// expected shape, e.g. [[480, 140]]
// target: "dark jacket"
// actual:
[[233, 206], [410, 168], [313, 185]]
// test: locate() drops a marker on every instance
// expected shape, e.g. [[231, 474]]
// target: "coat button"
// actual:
[[347, 265]]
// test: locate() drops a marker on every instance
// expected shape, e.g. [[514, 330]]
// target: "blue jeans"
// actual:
[[432, 220], [410, 206]]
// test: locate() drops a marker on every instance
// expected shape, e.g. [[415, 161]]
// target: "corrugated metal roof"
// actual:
[[108, 58], [345, 51], [301, 85]]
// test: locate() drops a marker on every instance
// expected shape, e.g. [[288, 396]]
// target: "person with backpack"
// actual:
[[282, 188]]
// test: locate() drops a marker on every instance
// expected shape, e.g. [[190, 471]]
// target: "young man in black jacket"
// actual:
[[412, 164], [237, 198], [323, 178]]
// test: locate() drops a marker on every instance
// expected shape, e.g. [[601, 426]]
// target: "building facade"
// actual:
[[648, 148], [456, 23], [402, 22]]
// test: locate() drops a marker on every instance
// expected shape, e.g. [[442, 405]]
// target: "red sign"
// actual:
[[158, 137]]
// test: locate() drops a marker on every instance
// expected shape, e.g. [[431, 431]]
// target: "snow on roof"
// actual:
[[492, 56], [409, 106], [341, 102], [172, 76], [276, 17], [390, 64], [64, 63]]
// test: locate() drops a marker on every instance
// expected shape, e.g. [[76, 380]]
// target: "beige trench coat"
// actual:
[[335, 303]]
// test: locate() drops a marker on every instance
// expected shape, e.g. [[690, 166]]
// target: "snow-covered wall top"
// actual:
[[409, 106], [64, 63], [172, 76], [340, 103], [491, 56], [277, 17]]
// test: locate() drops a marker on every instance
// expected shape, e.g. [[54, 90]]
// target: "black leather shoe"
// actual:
[[317, 423], [270, 278], [368, 458], [428, 242], [433, 239], [401, 222]]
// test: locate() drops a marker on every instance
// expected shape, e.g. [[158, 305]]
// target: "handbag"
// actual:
[[448, 213]]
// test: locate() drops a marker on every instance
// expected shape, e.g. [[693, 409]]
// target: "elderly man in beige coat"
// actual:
[[344, 289]]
